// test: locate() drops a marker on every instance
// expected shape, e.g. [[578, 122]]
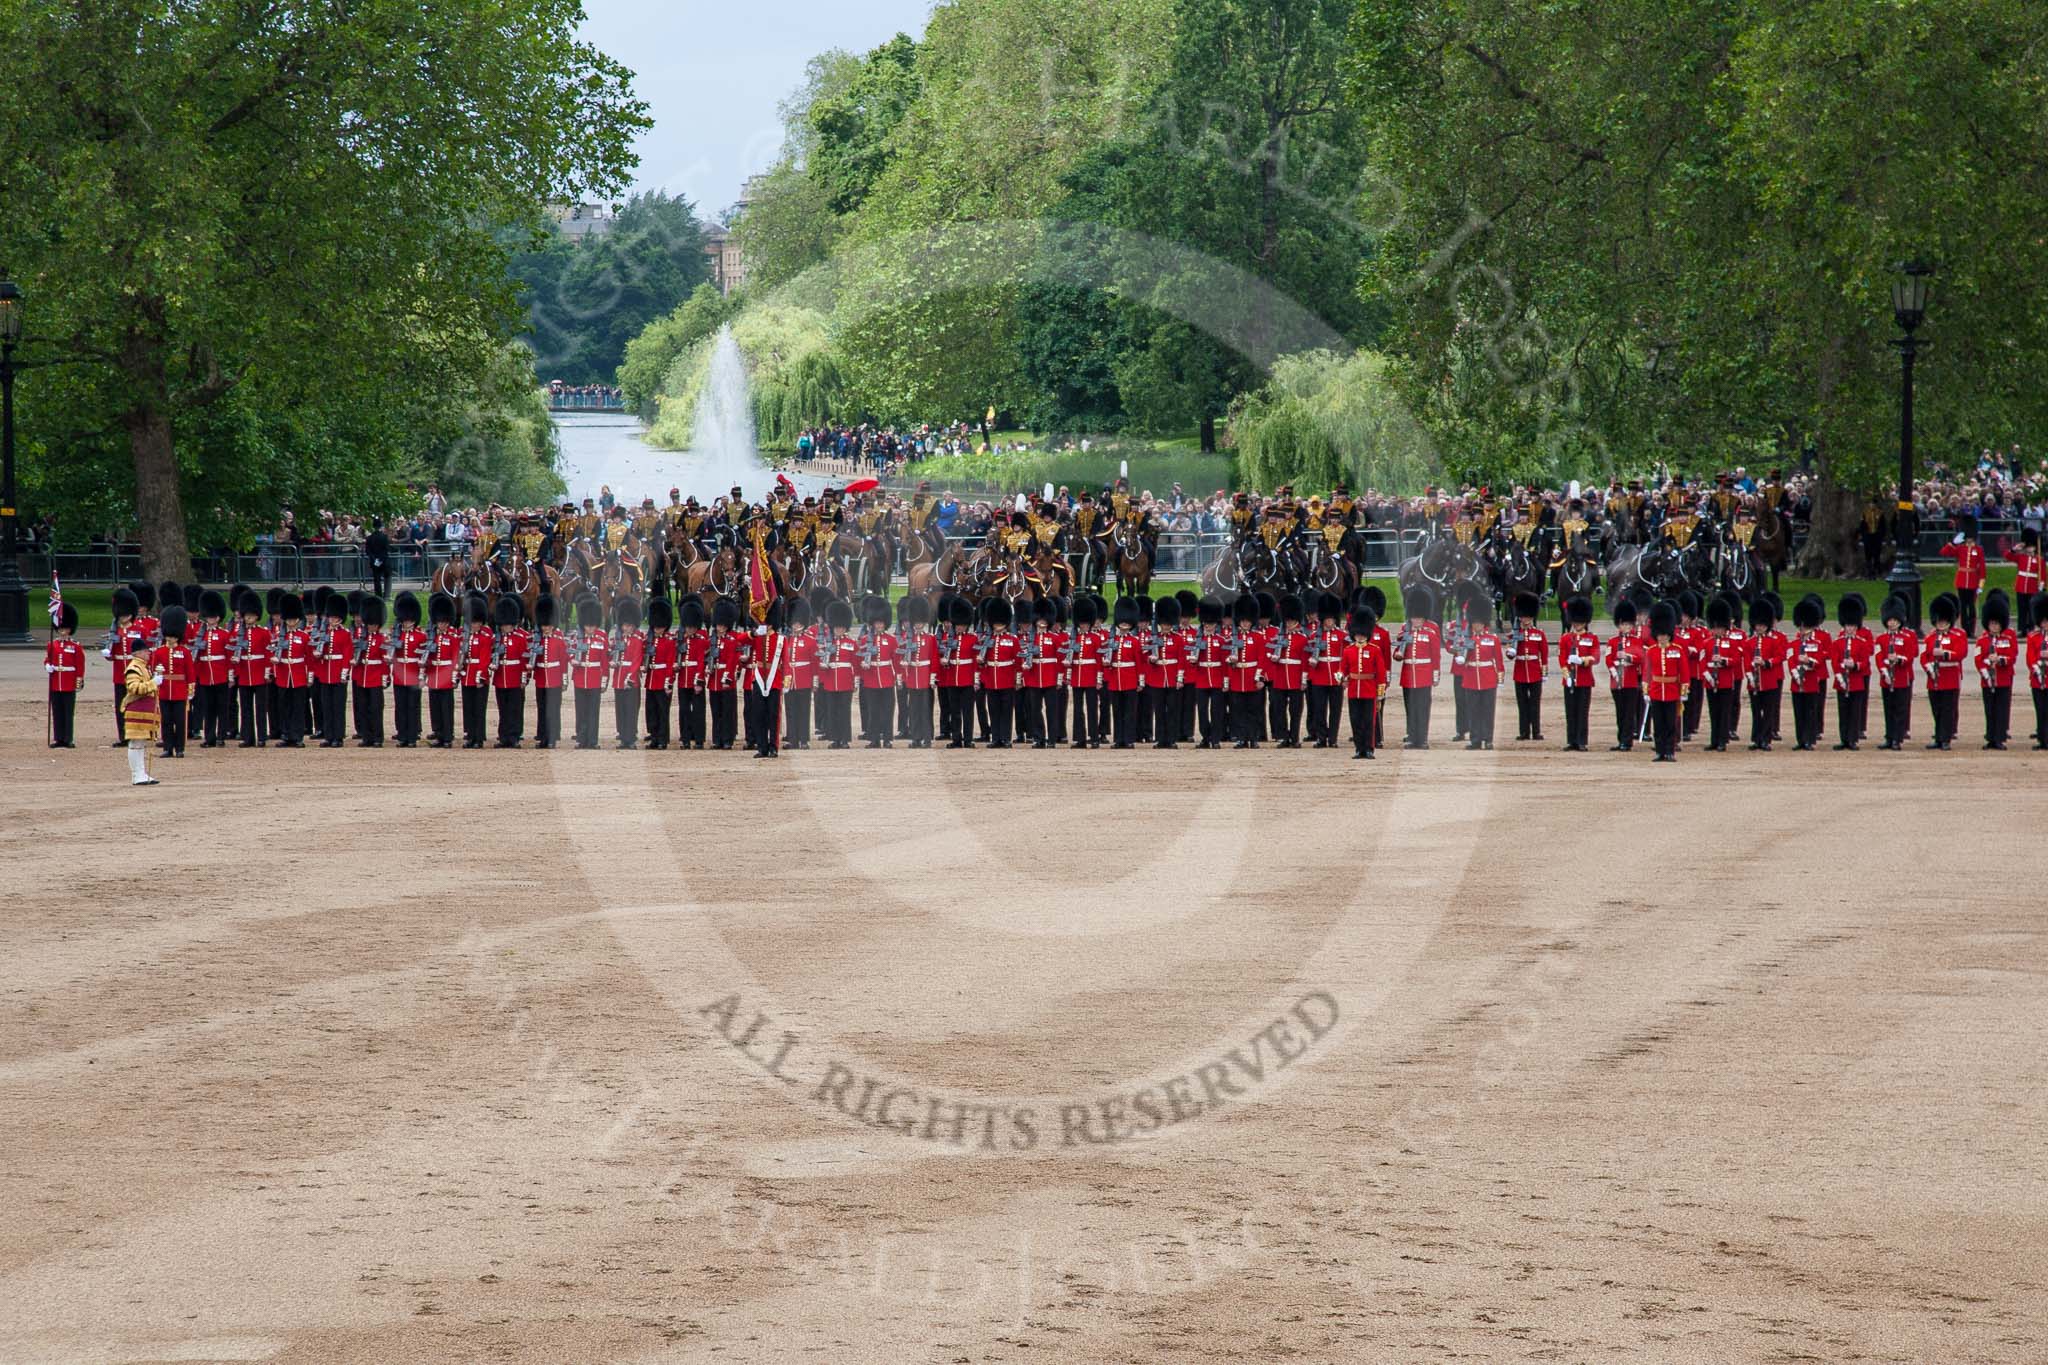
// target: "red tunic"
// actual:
[[1418, 652], [1767, 660], [331, 666], [802, 666], [1246, 662], [444, 659], [1668, 672], [476, 668], [211, 658], [1998, 656], [593, 660], [294, 666], [2037, 659], [1578, 652], [2027, 580], [552, 668], [1725, 662], [1001, 661], [1897, 652], [1125, 661], [372, 669], [1049, 670], [64, 661], [408, 662], [1326, 657], [1163, 659], [1484, 663], [1363, 666], [725, 657], [174, 664], [1806, 663], [628, 660], [1532, 655], [957, 659], [1085, 669], [1943, 653], [837, 657], [1290, 662], [876, 658], [920, 661], [510, 670], [1625, 662], [1969, 558], [663, 652], [1206, 664], [1854, 649]]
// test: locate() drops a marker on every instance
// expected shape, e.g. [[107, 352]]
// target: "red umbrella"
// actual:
[[863, 485]]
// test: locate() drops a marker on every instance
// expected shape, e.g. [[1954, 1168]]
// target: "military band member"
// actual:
[[128, 637], [1625, 651], [1855, 649], [588, 669], [64, 663], [1806, 667], [1941, 655], [875, 675], [1416, 659], [628, 663], [473, 670], [918, 668], [1479, 667], [1766, 672], [1208, 668], [408, 669], [1325, 672], [170, 664], [1968, 554], [1165, 662], [838, 664], [1898, 651], [292, 671], [659, 677], [1578, 654], [1667, 673], [1365, 673], [1998, 656], [1123, 673], [2027, 578], [370, 673], [2037, 669], [1086, 671], [693, 676], [140, 711]]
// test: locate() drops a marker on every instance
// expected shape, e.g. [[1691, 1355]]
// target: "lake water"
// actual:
[[600, 448]]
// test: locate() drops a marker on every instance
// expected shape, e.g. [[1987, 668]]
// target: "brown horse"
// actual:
[[1772, 542], [524, 579], [947, 573], [716, 577], [1133, 561], [618, 578], [462, 573]]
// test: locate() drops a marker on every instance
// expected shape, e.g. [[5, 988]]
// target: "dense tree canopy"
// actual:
[[286, 205]]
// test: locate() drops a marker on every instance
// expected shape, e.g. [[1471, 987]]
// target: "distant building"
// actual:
[[579, 221], [721, 251]]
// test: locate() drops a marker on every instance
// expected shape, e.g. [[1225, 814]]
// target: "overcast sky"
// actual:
[[712, 74]]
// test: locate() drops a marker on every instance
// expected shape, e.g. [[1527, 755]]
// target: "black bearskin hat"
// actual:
[[1190, 603], [1624, 612], [589, 612], [1329, 607], [627, 612], [373, 612], [289, 606], [1944, 608], [874, 610], [1526, 606], [914, 611], [1211, 611], [271, 599], [1579, 611], [1997, 609], [838, 614], [1762, 616], [1893, 609], [1479, 607], [169, 594], [1417, 605], [211, 603], [1144, 608], [1663, 620], [406, 609], [1166, 615], [1245, 610], [692, 615], [1043, 610], [506, 612], [192, 595], [725, 613], [1290, 607], [172, 619], [1850, 610], [997, 610], [1966, 522], [337, 605], [67, 616], [1807, 613], [144, 595], [661, 615], [1364, 621], [126, 603], [1062, 608], [441, 609], [547, 610], [798, 616], [821, 599], [1777, 606], [355, 602], [1126, 611], [1719, 616], [1268, 608], [1689, 603], [1084, 611], [961, 613], [249, 604]]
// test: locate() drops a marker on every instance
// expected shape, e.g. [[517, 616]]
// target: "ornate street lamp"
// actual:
[[1909, 309]]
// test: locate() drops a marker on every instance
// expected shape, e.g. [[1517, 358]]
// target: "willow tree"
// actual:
[[205, 193]]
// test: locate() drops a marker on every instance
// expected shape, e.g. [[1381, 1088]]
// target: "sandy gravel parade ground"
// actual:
[[398, 1055]]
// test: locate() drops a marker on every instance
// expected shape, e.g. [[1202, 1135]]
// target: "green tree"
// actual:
[[852, 126], [789, 227], [587, 301], [651, 355], [205, 192]]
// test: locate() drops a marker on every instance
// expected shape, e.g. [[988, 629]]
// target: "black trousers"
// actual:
[[2041, 716], [916, 714], [332, 701], [878, 714], [1764, 710], [835, 716], [690, 717], [1945, 705], [1363, 724], [1529, 710], [1002, 703], [370, 715], [1415, 701], [1143, 710], [1997, 714], [1287, 705], [1031, 714], [761, 717], [511, 715], [1123, 719], [1480, 703], [1848, 723], [589, 705], [1968, 619], [1088, 715], [796, 706], [1319, 713], [380, 577], [658, 701], [120, 724], [63, 712], [1247, 717], [1165, 716], [219, 699], [1664, 722], [1695, 697], [1213, 707], [1628, 715], [291, 714], [1809, 710], [1056, 714], [725, 717], [441, 714], [547, 716], [1578, 716], [1722, 716], [405, 715], [1461, 722], [475, 715], [2023, 613], [355, 709], [1898, 713], [626, 716], [1187, 714]]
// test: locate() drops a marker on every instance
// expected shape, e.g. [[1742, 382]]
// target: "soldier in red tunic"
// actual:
[[726, 655], [1002, 663], [1417, 653], [2037, 670], [1325, 668], [802, 673], [444, 669], [1480, 667], [1243, 667], [1667, 672], [767, 673], [371, 672], [663, 652], [1530, 647], [875, 675], [1289, 673], [2027, 578], [213, 674], [334, 650], [252, 659], [1806, 666], [64, 662], [1085, 672], [128, 637], [1968, 554], [1998, 657], [1726, 656], [1165, 663], [588, 667], [1766, 670], [1208, 669], [1625, 676], [1578, 653], [628, 662], [171, 664], [838, 654], [408, 669], [511, 657], [1898, 650], [1123, 673], [919, 664], [1364, 672], [1855, 649], [473, 671], [693, 674], [1942, 654]]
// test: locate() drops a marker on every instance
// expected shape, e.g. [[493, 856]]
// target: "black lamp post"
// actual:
[[1909, 307], [13, 592]]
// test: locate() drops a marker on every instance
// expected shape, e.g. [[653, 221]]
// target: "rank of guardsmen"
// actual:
[[237, 668]]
